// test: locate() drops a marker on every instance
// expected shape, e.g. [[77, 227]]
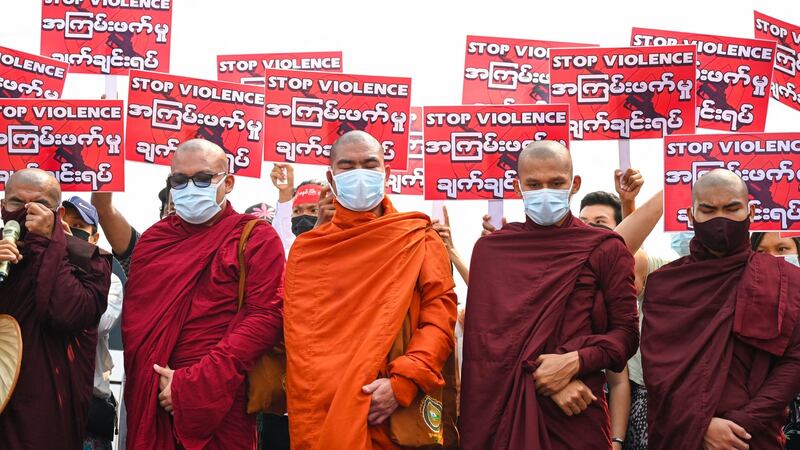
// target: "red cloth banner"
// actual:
[[504, 71], [165, 110], [79, 141], [108, 36], [625, 93], [308, 111], [768, 162], [471, 151], [250, 68], [786, 76], [23, 75], [733, 76]]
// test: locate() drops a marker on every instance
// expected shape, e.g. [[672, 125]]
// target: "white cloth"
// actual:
[[103, 362], [282, 222]]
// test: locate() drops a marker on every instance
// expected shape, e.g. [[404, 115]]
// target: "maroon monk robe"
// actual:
[[720, 339], [542, 290], [57, 293], [181, 311]]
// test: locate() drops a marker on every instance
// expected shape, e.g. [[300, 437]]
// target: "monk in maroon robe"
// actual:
[[187, 346], [552, 304], [57, 290], [720, 341]]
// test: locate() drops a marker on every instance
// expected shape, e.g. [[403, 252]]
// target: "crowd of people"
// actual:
[[329, 320]]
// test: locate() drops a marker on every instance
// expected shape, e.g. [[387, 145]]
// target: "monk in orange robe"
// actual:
[[351, 285]]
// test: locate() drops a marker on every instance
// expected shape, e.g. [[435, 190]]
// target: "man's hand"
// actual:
[[724, 434], [282, 177], [383, 402], [628, 184], [574, 399], [39, 220], [555, 372], [9, 252], [488, 228], [165, 387], [325, 207], [444, 230]]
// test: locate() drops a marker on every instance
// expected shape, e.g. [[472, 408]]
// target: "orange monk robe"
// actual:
[[349, 286]]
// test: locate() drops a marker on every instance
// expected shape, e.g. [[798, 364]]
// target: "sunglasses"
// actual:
[[201, 180]]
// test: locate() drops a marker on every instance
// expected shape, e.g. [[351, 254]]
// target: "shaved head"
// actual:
[[356, 138], [32, 182], [200, 151], [720, 181], [550, 151]]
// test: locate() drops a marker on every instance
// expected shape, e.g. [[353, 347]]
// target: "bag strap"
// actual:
[[248, 229]]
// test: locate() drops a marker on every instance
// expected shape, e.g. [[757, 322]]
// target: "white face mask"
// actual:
[[197, 205], [792, 259], [546, 206], [680, 242], [360, 189]]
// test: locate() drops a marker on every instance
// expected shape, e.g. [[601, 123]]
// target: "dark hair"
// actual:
[[604, 198], [307, 182], [758, 236]]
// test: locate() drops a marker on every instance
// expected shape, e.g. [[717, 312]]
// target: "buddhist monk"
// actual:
[[352, 286], [187, 345], [57, 290], [551, 305], [720, 341]]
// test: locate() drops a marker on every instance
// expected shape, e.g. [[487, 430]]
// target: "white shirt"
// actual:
[[282, 222], [103, 362]]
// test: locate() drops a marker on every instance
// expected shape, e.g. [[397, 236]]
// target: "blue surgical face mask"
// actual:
[[680, 242], [792, 259], [546, 206], [196, 205], [359, 189]]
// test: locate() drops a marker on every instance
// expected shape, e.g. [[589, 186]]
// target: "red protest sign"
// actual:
[[78, 141], [411, 180], [165, 110], [23, 75], [108, 36], [250, 68], [625, 93], [732, 77], [471, 151], [786, 76], [502, 71], [768, 162], [308, 111]]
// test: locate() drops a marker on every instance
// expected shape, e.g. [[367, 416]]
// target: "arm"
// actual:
[[455, 257], [635, 228], [628, 185], [117, 230], [209, 387], [619, 403], [613, 267], [781, 386], [433, 340]]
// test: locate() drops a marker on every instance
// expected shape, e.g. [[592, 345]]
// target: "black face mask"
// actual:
[[723, 235], [301, 224], [80, 234]]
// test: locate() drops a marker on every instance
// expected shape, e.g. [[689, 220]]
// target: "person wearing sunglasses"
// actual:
[[188, 343]]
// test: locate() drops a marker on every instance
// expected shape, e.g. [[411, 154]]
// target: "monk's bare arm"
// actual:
[[613, 266], [433, 341], [67, 298], [780, 387], [635, 228], [115, 227]]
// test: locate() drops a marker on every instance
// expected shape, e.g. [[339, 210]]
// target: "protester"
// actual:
[[296, 211], [720, 341], [81, 221], [377, 337], [57, 290], [547, 270], [188, 346]]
